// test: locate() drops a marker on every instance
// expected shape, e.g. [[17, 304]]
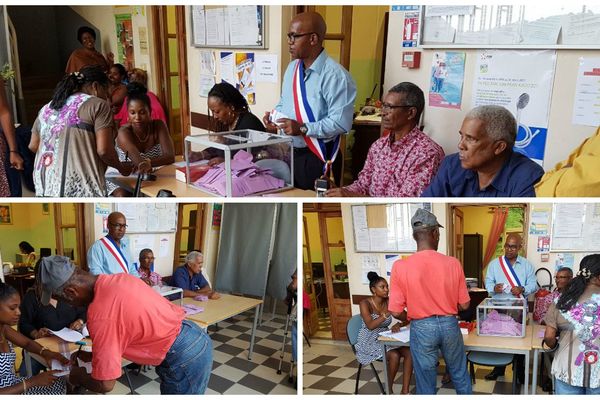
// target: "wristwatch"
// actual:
[[303, 129]]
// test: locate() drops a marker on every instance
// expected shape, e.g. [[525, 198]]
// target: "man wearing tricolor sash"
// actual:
[[316, 105], [109, 254], [513, 275]]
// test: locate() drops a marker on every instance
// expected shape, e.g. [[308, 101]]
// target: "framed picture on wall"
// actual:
[[5, 214], [45, 208]]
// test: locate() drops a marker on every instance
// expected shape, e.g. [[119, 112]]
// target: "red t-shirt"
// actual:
[[128, 319], [427, 283]]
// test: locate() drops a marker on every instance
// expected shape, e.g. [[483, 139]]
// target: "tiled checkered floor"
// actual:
[[232, 372], [330, 367]]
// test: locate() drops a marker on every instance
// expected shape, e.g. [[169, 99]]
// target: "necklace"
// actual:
[[234, 123], [148, 134], [378, 309]]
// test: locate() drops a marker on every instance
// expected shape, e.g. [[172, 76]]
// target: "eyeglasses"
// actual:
[[387, 107], [512, 246], [119, 226], [293, 36]]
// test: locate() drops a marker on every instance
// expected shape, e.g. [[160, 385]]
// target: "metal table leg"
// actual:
[[536, 354], [525, 389], [256, 312], [27, 359], [385, 369]]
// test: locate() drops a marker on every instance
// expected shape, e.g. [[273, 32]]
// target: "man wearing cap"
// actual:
[[156, 334], [510, 275], [110, 254], [431, 306]]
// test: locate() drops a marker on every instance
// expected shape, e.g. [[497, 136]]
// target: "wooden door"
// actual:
[[190, 231], [171, 66], [311, 319], [70, 236], [338, 289], [339, 31], [458, 234]]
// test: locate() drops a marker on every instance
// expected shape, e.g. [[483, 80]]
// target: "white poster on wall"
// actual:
[[586, 107], [522, 82]]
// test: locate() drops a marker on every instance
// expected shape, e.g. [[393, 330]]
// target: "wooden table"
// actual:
[[473, 342], [225, 307], [165, 179], [497, 344], [52, 343], [21, 282]]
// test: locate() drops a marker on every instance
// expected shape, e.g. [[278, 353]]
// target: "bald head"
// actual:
[[117, 225], [312, 22]]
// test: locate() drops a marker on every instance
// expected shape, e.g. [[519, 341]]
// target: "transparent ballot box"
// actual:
[[244, 162], [502, 316]]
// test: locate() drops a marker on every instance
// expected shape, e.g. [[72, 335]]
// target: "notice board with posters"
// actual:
[[236, 27]]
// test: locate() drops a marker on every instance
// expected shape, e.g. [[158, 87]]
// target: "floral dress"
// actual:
[[9, 378], [367, 347], [4, 188], [67, 163]]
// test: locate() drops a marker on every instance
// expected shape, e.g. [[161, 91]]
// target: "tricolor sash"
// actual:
[[305, 114], [115, 250], [509, 272]]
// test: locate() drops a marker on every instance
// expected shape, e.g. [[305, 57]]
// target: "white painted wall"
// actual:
[[267, 94], [442, 124]]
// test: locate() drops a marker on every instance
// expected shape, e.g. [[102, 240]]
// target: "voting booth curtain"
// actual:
[[257, 249]]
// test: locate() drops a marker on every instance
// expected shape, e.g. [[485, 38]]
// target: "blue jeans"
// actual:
[[294, 340], [429, 336], [188, 363], [561, 387]]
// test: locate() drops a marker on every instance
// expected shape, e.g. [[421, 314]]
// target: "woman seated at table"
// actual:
[[575, 318], [403, 162], [26, 248], [156, 109], [73, 138], [117, 90], [38, 320], [145, 269], [228, 111], [144, 141], [87, 55], [11, 383], [377, 319]]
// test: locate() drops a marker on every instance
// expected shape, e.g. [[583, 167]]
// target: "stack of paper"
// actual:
[[403, 335], [69, 335]]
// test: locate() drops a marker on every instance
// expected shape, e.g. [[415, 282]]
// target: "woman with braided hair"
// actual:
[[575, 317], [73, 138]]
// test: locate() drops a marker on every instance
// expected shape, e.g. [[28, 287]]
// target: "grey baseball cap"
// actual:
[[55, 271], [423, 219]]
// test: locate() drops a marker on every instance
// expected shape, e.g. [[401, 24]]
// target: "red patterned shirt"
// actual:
[[402, 168]]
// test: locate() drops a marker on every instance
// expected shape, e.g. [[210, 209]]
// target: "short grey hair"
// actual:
[[414, 96], [499, 122], [192, 255]]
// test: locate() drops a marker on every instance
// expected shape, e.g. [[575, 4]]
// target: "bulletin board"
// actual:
[[575, 227], [382, 228], [149, 217], [234, 27], [551, 26]]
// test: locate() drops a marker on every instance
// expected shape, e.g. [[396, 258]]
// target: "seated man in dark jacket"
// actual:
[[486, 165]]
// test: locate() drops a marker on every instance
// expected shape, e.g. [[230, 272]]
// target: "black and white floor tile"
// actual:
[[330, 367]]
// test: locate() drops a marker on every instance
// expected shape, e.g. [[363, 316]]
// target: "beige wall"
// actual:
[[442, 124], [267, 94]]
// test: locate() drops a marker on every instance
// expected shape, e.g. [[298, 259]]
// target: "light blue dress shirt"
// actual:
[[331, 92], [523, 269], [101, 261]]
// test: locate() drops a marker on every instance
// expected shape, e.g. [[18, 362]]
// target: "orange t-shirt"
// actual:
[[427, 283], [128, 319]]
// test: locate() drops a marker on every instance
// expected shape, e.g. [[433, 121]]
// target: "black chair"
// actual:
[[352, 330]]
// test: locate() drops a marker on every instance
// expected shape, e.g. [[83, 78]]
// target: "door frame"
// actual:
[[161, 64]]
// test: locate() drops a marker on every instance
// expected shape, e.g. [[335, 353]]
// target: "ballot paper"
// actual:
[[275, 115], [71, 335], [57, 366], [403, 335]]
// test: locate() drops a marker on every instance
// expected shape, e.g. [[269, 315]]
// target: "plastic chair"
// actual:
[[352, 329], [491, 360]]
